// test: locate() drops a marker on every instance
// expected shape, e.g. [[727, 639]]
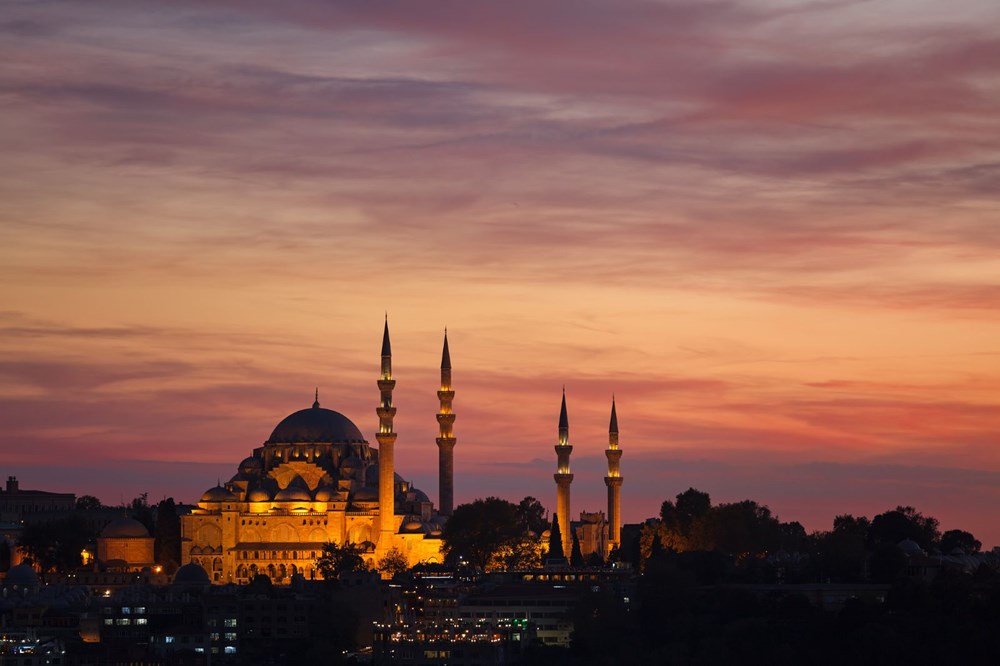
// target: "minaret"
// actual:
[[614, 482], [386, 440], [446, 440], [564, 478]]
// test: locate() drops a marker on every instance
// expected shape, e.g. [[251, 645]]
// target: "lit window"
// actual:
[[122, 621], [230, 621], [230, 635], [140, 620], [108, 620], [230, 649], [139, 610], [168, 639], [214, 635], [126, 610]]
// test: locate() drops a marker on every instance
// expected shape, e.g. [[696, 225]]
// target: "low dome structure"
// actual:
[[21, 577], [191, 574], [259, 495], [124, 528], [325, 494], [292, 494], [218, 494], [126, 542]]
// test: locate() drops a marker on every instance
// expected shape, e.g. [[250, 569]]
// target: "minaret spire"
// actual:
[[316, 401], [386, 441], [563, 477], [446, 439], [614, 482]]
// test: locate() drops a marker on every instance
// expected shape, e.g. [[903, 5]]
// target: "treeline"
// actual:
[[745, 542]]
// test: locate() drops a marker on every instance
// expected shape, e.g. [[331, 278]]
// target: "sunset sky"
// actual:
[[770, 228]]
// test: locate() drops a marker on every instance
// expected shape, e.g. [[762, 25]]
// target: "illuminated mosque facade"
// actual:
[[316, 480]]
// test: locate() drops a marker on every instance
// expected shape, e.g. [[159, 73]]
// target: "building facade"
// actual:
[[315, 480]]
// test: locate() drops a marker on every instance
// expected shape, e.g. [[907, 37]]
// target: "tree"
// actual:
[[691, 505], [740, 529], [394, 562], [484, 533], [953, 539], [338, 559], [576, 555], [88, 503], [140, 510], [55, 545], [167, 547], [904, 522], [531, 513], [555, 541]]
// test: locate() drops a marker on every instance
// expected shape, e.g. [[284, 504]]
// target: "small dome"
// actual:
[[436, 531], [366, 494], [316, 425], [910, 547], [21, 576], [420, 496], [218, 494], [413, 526], [124, 528], [292, 494], [259, 495], [191, 574], [353, 462], [325, 494], [251, 465]]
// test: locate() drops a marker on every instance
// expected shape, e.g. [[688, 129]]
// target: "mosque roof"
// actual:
[[124, 528], [316, 424], [21, 575], [191, 574]]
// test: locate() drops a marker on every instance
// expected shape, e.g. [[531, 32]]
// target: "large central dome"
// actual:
[[316, 424]]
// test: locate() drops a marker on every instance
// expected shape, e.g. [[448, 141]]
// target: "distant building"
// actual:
[[19, 505], [125, 544]]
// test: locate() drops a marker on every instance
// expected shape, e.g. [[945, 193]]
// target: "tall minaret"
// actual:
[[386, 440], [614, 483], [564, 478], [446, 442]]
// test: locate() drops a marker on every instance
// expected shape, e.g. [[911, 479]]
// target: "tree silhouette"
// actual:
[[953, 539], [576, 555], [88, 503], [394, 562], [167, 547], [555, 541], [338, 559], [487, 533]]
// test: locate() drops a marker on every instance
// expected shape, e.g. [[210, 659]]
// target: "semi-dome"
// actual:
[[316, 424], [325, 494], [191, 574], [292, 494], [259, 495], [251, 465], [218, 494], [366, 494], [125, 528], [413, 526], [21, 576]]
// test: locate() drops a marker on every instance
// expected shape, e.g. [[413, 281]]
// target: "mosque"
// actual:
[[316, 480]]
